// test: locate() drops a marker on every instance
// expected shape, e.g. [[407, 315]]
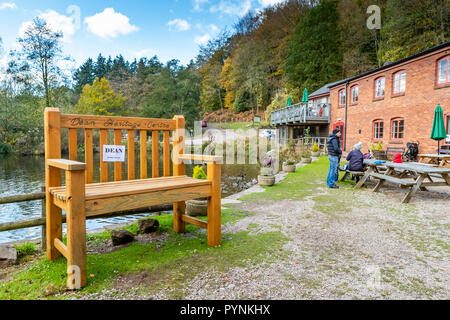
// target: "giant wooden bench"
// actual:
[[80, 197]]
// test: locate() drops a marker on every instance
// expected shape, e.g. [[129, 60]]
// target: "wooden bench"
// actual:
[[348, 172], [392, 179], [80, 197]]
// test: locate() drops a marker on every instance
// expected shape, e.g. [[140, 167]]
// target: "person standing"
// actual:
[[334, 154]]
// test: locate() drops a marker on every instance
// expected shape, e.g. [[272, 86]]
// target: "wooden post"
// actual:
[[76, 229], [155, 154], [52, 135], [43, 228], [179, 208], [117, 165], [131, 173], [214, 205], [143, 154], [89, 155], [103, 165]]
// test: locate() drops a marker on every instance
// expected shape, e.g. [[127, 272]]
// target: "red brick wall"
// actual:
[[416, 106]]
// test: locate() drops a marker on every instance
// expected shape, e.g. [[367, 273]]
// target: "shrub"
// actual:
[[379, 146], [199, 173], [25, 249], [315, 148], [306, 153]]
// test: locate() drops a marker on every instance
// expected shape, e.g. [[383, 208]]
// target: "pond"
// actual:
[[22, 175]]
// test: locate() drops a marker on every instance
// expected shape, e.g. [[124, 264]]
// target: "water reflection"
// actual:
[[21, 175]]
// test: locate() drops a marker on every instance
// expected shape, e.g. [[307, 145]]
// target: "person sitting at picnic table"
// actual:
[[356, 158], [398, 158]]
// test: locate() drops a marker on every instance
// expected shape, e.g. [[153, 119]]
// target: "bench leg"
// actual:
[[214, 206], [179, 209], [76, 230], [53, 215], [414, 189], [345, 176], [364, 178]]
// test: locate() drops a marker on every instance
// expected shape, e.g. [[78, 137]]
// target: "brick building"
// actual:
[[394, 104]]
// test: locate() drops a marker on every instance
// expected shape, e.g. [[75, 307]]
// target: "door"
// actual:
[[340, 126]]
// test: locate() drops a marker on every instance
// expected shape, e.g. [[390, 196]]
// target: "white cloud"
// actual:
[[144, 53], [198, 3], [179, 24], [201, 40], [266, 3], [8, 5], [56, 22], [232, 8], [109, 24]]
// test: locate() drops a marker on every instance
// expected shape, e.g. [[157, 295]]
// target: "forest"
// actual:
[[253, 65]]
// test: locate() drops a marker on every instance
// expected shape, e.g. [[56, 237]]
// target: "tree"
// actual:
[[85, 74], [100, 99], [174, 90], [41, 48], [412, 26], [315, 56]]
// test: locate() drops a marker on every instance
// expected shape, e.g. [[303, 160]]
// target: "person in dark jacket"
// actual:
[[334, 154], [356, 158]]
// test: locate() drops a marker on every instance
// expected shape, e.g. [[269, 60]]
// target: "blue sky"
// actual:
[[170, 29]]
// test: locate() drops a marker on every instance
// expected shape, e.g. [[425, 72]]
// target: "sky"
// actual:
[[170, 29]]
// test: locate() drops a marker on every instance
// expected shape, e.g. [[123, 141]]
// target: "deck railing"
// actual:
[[301, 113]]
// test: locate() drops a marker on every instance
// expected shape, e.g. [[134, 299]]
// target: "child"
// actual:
[[398, 158]]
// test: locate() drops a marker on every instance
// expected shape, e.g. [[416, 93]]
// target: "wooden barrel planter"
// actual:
[[197, 208], [266, 180]]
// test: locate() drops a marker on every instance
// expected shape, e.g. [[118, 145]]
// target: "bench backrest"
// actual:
[[391, 151], [55, 122]]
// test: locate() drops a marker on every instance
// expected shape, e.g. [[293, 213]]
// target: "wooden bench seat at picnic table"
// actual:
[[392, 179], [422, 176], [80, 197]]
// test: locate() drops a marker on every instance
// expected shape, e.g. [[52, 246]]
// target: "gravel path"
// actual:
[[369, 247]]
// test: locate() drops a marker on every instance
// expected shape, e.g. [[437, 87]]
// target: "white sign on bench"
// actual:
[[113, 153]]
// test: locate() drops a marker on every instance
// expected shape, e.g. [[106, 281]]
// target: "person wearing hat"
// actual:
[[356, 158], [334, 154]]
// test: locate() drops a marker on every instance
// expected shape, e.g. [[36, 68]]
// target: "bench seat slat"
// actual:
[[392, 179], [114, 189]]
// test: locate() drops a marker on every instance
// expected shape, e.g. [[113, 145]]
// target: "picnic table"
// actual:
[[443, 160], [401, 174]]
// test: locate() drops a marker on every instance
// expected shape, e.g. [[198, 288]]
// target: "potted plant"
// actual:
[[315, 150], [197, 207], [289, 166], [306, 156], [378, 152], [266, 177]]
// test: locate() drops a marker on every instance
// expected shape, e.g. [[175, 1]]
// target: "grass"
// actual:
[[26, 249], [180, 257]]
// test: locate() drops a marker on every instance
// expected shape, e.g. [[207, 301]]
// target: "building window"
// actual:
[[443, 76], [399, 82], [354, 94], [398, 127], [379, 87], [378, 129], [342, 97]]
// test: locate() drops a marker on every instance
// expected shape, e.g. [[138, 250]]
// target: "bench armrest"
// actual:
[[199, 157], [67, 165]]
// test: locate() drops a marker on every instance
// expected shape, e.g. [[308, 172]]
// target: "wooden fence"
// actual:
[[23, 224]]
